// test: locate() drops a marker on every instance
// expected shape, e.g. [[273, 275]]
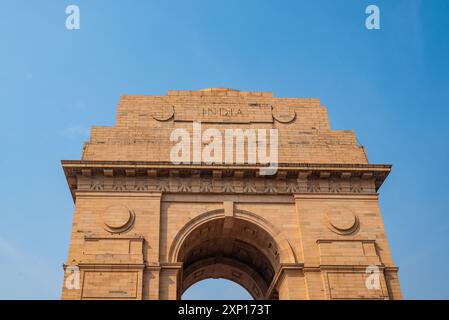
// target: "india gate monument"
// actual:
[[219, 183]]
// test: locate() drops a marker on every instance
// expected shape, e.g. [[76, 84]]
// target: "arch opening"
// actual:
[[233, 249], [216, 289]]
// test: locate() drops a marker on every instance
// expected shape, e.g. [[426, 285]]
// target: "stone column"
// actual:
[[392, 280], [314, 284], [151, 283], [169, 281], [150, 224], [291, 285]]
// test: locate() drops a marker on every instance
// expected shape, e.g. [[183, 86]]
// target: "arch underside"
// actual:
[[233, 249], [225, 268]]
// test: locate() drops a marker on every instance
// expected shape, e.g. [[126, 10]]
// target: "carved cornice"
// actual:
[[144, 177]]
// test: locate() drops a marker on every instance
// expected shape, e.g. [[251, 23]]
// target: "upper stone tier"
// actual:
[[145, 122]]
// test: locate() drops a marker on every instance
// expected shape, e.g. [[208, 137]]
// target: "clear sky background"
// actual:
[[390, 85]]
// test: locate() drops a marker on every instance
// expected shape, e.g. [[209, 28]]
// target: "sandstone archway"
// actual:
[[233, 248], [145, 227]]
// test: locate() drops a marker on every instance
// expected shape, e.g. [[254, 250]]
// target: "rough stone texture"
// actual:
[[145, 228]]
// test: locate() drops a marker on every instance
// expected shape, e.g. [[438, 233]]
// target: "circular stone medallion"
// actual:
[[118, 218], [284, 114], [343, 221]]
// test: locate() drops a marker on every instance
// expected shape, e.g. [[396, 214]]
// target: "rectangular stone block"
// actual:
[[351, 285], [109, 285]]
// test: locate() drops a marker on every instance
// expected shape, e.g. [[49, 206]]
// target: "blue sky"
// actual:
[[390, 85]]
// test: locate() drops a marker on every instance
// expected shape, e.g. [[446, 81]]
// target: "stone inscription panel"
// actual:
[[225, 113]]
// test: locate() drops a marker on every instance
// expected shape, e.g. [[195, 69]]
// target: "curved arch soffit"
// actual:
[[286, 252], [255, 285]]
